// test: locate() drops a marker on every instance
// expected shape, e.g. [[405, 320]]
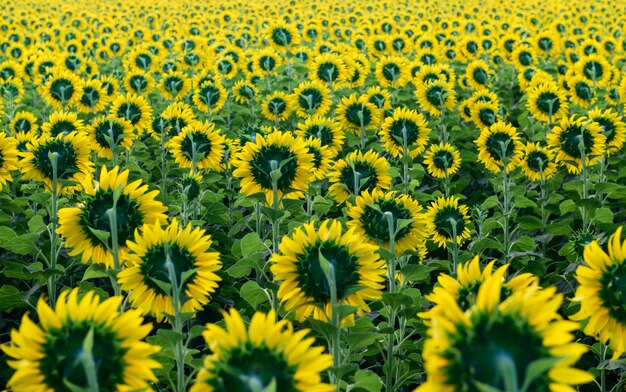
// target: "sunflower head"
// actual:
[[198, 146], [442, 160], [445, 218], [405, 132], [8, 158], [500, 147], [304, 287], [51, 354], [265, 352], [435, 96], [357, 173], [538, 162], [575, 139]]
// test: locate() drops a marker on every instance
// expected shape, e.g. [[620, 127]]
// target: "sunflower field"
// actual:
[[291, 195]]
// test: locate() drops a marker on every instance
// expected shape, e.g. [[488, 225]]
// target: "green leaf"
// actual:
[[95, 271], [524, 244], [101, 234], [253, 294], [36, 225], [20, 245], [251, 244], [12, 298], [242, 267], [367, 380], [603, 215], [417, 273], [567, 206], [537, 369], [395, 300]]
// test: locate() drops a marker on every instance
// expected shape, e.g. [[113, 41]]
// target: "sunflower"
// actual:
[[498, 144], [49, 356], [574, 138], [357, 71], [268, 154], [329, 69], [311, 98], [282, 36], [601, 291], [225, 67], [463, 288], [325, 129], [267, 353], [138, 82], [134, 109], [538, 162], [202, 139], [62, 89], [368, 217], [408, 127], [107, 130], [93, 98], [442, 160], [177, 115], [479, 75], [466, 349], [277, 106], [356, 114], [485, 114], [175, 85], [613, 129], [443, 217], [392, 71], [24, 122], [581, 91], [210, 97], [427, 73], [379, 96], [322, 158], [8, 158], [435, 96], [190, 185], [594, 68], [12, 90], [304, 289], [110, 86], [134, 207], [244, 92], [73, 163], [188, 252], [266, 60], [62, 123], [357, 173], [523, 57], [546, 102]]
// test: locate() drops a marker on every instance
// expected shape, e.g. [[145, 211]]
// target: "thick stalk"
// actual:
[[52, 280]]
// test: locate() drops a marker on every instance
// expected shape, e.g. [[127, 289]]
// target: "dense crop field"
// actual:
[[313, 196]]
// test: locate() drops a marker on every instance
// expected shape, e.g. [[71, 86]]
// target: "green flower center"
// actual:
[[472, 47], [328, 72], [130, 111], [311, 277], [380, 45], [448, 218], [176, 125], [63, 348], [62, 90], [545, 44], [583, 91], [443, 159], [378, 100], [593, 70], [246, 92], [487, 116], [310, 98], [358, 114], [153, 266], [22, 125], [225, 66], [94, 215], [196, 141], [108, 129], [608, 128], [317, 157], [62, 127], [73, 62], [190, 187], [480, 76], [66, 161], [143, 61], [138, 83], [277, 106], [537, 161], [548, 103], [363, 172], [281, 36], [391, 72], [246, 364], [613, 292], [402, 128], [285, 160], [428, 59], [525, 58], [267, 63], [90, 97], [108, 87], [376, 225], [571, 139], [500, 146], [209, 95], [475, 354], [467, 295], [321, 132], [436, 95], [191, 59]]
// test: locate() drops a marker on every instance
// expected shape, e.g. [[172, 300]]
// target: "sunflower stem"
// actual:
[[115, 252], [335, 343], [275, 175], [391, 311], [177, 324], [603, 349], [52, 280], [507, 214], [454, 245], [163, 166], [585, 178], [405, 161]]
